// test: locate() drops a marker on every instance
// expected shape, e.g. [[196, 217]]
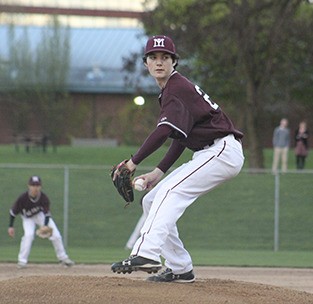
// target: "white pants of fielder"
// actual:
[[168, 200], [136, 232], [29, 226]]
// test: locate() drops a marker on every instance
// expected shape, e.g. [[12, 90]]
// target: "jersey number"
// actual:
[[206, 97]]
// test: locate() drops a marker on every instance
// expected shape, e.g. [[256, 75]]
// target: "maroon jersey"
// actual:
[[189, 117], [197, 121], [28, 206]]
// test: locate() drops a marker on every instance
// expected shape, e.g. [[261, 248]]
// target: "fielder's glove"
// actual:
[[122, 180], [44, 232]]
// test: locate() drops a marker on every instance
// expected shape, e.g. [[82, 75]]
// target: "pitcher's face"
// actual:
[[160, 65]]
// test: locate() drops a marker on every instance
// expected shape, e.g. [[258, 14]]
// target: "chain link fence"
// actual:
[[256, 210]]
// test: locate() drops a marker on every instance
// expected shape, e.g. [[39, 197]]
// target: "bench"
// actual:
[[31, 142]]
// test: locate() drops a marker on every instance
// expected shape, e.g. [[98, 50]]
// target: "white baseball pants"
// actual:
[[168, 200], [29, 226]]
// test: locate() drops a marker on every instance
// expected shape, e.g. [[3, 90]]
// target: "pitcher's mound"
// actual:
[[60, 289]]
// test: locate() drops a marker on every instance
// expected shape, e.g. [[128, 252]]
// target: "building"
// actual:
[[75, 13], [97, 77]]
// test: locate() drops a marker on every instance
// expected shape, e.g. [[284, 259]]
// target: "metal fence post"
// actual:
[[276, 213], [65, 207]]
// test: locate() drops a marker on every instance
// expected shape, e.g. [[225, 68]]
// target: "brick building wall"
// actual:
[[96, 117]]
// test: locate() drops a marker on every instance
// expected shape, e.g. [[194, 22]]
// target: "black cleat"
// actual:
[[135, 263], [168, 276]]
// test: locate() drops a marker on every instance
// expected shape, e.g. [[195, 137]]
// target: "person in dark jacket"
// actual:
[[302, 145]]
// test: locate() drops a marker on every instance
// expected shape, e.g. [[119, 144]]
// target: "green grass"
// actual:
[[233, 225], [77, 155], [242, 258], [109, 155]]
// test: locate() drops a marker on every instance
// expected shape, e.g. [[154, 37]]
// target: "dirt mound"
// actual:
[[96, 283], [106, 290]]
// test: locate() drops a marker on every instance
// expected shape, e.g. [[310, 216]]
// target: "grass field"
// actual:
[[233, 225]]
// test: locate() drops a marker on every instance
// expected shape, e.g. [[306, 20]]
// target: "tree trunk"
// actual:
[[256, 159]]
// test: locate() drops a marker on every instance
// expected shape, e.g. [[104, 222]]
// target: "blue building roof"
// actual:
[[105, 47], [96, 57]]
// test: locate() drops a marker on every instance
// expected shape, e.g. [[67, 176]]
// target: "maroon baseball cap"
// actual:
[[34, 181], [160, 43]]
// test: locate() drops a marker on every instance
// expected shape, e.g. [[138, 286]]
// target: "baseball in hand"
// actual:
[[139, 184]]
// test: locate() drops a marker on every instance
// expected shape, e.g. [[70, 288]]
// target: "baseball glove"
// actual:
[[122, 180], [44, 232]]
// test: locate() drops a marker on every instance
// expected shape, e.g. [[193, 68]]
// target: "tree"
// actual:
[[243, 51], [36, 81], [51, 73], [18, 75]]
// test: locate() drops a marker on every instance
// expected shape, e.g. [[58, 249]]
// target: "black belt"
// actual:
[[238, 139], [212, 143], [207, 145]]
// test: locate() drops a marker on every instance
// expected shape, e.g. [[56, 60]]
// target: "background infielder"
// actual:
[[34, 207], [136, 232], [194, 121]]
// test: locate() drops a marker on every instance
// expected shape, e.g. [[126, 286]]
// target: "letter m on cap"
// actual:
[[158, 42]]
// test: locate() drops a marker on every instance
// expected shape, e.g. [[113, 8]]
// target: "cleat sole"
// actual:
[[127, 269]]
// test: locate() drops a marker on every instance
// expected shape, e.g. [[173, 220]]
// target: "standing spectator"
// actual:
[[302, 146], [44, 143], [281, 142], [34, 207]]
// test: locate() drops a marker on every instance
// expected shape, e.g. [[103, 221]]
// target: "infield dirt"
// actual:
[[95, 284]]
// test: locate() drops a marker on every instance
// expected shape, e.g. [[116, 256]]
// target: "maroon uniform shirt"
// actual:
[[189, 117], [28, 206]]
